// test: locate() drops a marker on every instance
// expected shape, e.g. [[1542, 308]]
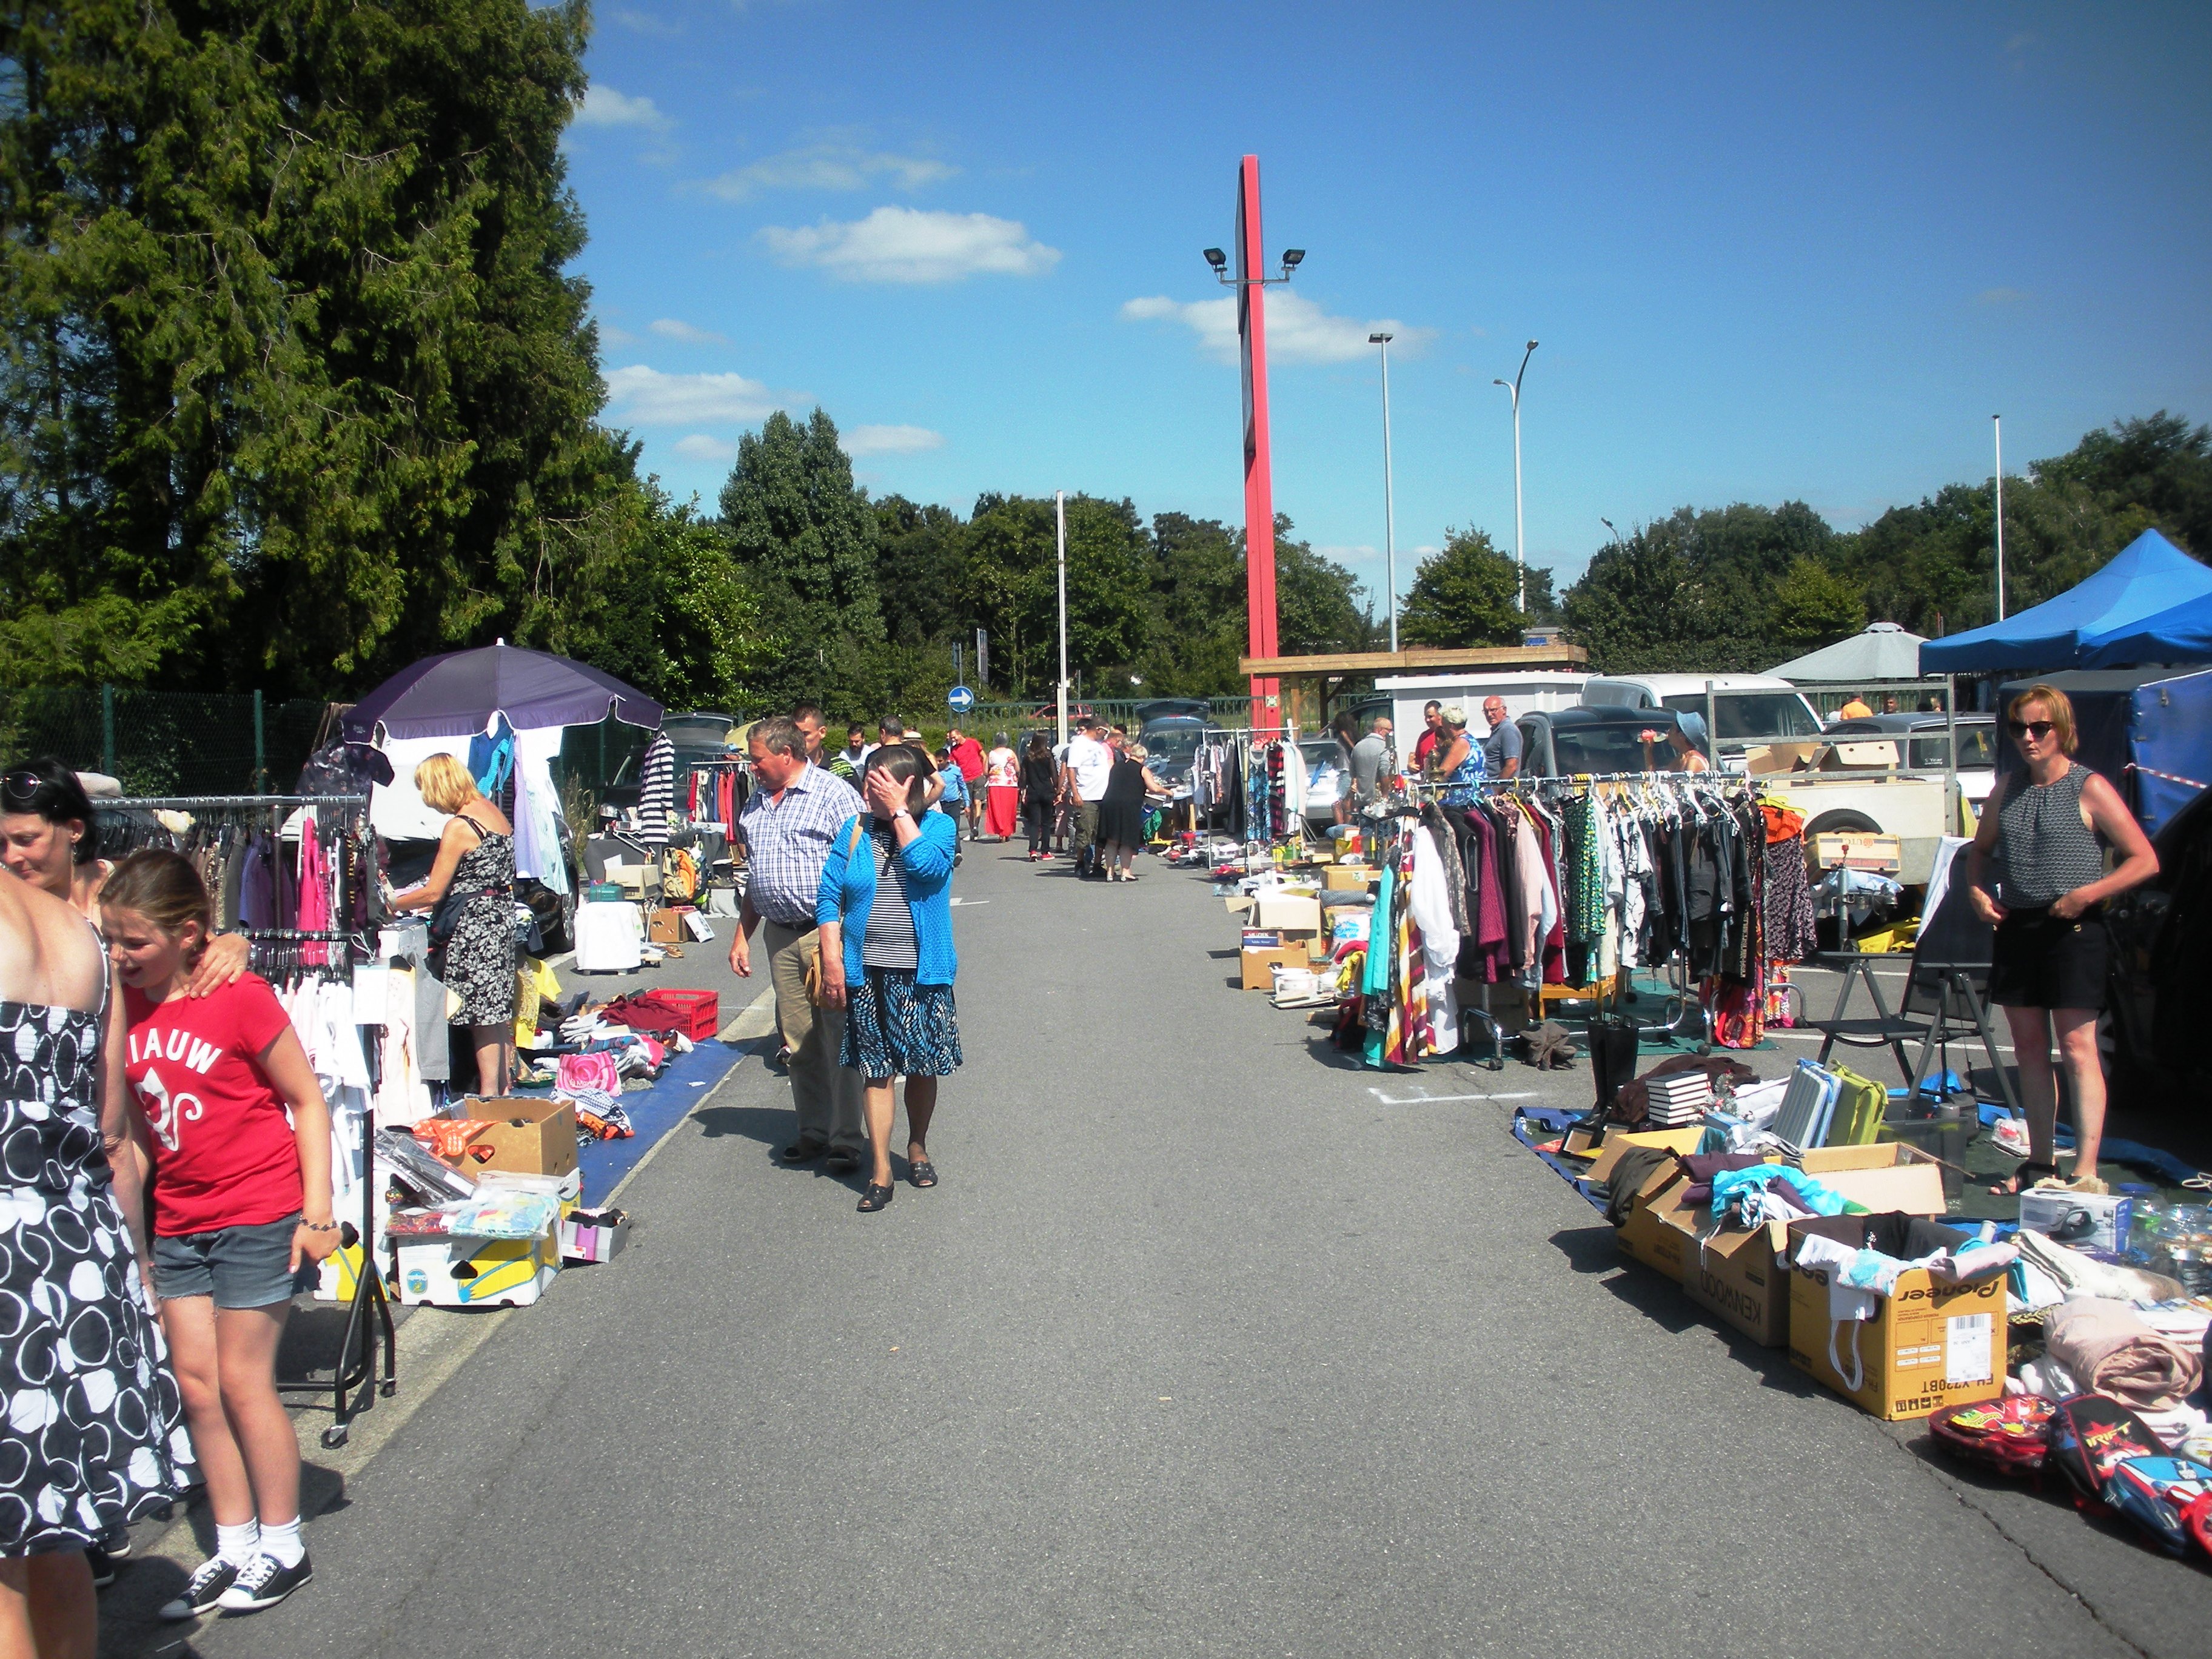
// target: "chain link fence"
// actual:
[[165, 743]]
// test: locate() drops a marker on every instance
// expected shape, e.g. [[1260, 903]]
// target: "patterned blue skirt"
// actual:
[[894, 1027]]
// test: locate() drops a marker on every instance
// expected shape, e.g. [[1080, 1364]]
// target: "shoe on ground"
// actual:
[[804, 1150], [117, 1543], [841, 1162], [102, 1564], [202, 1591], [262, 1584]]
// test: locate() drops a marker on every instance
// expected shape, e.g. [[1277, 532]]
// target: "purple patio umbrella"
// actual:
[[455, 695]]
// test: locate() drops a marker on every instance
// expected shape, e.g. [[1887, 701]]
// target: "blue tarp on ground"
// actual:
[[2148, 576], [683, 1084]]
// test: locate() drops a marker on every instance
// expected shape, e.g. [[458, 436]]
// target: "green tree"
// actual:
[[920, 555], [1317, 606], [1467, 594], [804, 535], [295, 387], [1813, 606], [1197, 626]]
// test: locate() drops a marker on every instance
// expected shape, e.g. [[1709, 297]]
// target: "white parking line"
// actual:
[[1442, 1100]]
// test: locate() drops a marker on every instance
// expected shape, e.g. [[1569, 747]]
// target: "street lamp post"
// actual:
[[1059, 513], [1390, 502], [1996, 429], [1520, 556]]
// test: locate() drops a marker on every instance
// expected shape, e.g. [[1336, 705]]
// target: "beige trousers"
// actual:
[[827, 1096]]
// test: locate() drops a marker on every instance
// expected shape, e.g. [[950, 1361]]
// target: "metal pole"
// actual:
[[1954, 812], [107, 729], [1059, 513], [1713, 729], [1390, 492], [1520, 555], [1996, 429], [260, 750]]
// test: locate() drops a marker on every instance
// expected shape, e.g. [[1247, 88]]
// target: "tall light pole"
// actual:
[[1520, 556], [1389, 503], [1060, 513], [1996, 429]]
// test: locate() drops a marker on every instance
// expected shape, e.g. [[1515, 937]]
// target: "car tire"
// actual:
[[1841, 822]]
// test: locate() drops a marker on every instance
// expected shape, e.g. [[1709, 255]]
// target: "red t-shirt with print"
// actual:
[[224, 1154], [968, 754]]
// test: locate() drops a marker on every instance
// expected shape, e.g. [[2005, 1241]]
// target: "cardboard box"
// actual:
[[1645, 1235], [1740, 1275], [1853, 850], [1928, 1347], [1619, 1141], [1349, 877], [1291, 912], [1259, 966], [527, 1137], [477, 1273], [593, 1235], [664, 928]]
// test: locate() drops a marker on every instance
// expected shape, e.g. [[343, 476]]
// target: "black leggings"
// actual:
[[1037, 822]]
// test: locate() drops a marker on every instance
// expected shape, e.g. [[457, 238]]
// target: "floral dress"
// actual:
[[93, 1434], [480, 958]]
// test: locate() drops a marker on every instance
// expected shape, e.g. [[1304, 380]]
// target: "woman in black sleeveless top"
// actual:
[[2048, 832]]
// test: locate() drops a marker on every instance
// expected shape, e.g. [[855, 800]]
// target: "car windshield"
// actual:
[[1172, 745], [1977, 750], [1597, 748], [1755, 715]]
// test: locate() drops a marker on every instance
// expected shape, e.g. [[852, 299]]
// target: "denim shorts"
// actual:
[[238, 1266]]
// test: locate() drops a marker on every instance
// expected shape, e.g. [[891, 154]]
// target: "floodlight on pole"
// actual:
[[1520, 555], [1059, 513], [1389, 503]]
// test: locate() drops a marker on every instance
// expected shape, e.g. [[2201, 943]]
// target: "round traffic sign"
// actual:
[[960, 699]]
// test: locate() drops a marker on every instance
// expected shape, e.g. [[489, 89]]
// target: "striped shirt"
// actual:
[[787, 840], [656, 789], [889, 941]]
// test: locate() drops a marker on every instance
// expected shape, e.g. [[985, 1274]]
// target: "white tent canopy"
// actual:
[[1883, 652]]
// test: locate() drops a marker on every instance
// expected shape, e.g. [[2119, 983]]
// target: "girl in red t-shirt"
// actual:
[[241, 1202]]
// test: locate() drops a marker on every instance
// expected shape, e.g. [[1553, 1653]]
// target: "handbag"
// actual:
[[810, 948]]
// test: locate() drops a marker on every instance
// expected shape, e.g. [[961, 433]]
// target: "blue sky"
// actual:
[[1770, 253]]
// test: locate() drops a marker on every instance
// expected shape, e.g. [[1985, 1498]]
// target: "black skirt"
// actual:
[[2043, 961]]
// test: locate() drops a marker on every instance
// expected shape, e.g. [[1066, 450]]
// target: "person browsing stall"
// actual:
[[2036, 872], [1002, 778], [470, 893], [885, 910], [1090, 767], [1041, 785], [1371, 761], [1501, 750], [1426, 752], [1460, 764], [239, 1140], [787, 826], [92, 1439], [967, 753]]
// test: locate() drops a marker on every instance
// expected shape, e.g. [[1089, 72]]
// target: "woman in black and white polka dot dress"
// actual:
[[91, 1439]]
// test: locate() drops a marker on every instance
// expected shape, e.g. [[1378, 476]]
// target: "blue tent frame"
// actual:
[[2149, 576]]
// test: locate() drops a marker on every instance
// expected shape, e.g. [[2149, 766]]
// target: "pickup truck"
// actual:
[[1564, 742]]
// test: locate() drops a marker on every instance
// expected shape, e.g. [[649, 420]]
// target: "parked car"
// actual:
[[1162, 708], [1171, 744], [1749, 709], [1561, 742], [1326, 778]]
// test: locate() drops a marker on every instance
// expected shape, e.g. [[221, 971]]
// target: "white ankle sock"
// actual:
[[281, 1539], [238, 1545]]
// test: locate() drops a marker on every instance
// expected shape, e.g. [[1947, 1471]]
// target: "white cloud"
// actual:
[[891, 440], [648, 398], [1999, 296], [644, 22], [611, 335], [906, 244], [826, 167], [670, 328], [1299, 330], [603, 107], [701, 447]]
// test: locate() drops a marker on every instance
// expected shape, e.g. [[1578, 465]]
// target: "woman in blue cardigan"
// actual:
[[886, 919]]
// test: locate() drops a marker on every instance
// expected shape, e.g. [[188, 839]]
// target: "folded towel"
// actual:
[[2108, 1348]]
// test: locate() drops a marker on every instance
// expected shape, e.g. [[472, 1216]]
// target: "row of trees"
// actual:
[[294, 388]]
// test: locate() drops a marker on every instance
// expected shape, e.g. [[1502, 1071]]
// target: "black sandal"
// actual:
[[2024, 1175], [921, 1172], [875, 1198]]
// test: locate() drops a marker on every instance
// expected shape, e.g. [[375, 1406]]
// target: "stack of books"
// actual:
[[1678, 1099]]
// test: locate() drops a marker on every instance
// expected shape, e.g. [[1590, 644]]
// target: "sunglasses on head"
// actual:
[[2037, 729], [26, 791]]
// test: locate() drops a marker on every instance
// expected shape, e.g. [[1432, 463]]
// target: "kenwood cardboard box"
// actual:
[[1654, 1246], [1929, 1346], [1259, 966], [1739, 1274]]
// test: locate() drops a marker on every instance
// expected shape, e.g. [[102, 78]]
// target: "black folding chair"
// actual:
[[1946, 999]]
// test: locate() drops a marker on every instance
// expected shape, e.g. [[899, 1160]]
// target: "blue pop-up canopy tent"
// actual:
[[2148, 576], [2181, 633]]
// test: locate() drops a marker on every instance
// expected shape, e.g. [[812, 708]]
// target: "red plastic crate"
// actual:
[[703, 1007]]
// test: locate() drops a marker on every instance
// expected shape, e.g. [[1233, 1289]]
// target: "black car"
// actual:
[[1171, 744], [1562, 742]]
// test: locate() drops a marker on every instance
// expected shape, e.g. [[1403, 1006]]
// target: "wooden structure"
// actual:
[[1304, 680]]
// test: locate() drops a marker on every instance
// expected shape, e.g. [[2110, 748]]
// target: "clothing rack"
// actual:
[[353, 1388]]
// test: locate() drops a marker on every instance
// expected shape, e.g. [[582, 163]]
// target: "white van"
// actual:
[[1747, 708], [1524, 691]]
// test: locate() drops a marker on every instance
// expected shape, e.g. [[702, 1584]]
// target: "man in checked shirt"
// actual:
[[788, 828]]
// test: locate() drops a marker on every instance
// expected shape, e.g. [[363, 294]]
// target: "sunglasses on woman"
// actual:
[[26, 792], [2037, 729]]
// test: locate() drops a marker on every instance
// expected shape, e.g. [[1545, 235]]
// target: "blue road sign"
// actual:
[[960, 699]]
